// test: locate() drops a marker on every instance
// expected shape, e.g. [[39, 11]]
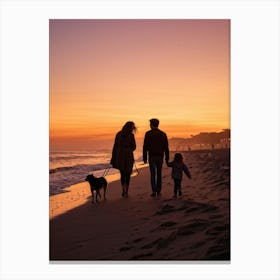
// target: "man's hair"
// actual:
[[154, 122]]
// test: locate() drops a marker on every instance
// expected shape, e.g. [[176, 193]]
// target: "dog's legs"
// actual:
[[104, 194]]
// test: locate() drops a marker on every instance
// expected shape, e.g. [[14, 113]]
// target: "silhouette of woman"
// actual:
[[122, 154]]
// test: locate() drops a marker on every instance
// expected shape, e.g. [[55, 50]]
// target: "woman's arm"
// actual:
[[114, 152], [133, 143]]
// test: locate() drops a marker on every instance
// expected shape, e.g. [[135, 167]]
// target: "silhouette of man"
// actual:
[[154, 148]]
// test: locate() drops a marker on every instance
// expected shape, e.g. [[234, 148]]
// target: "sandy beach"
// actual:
[[195, 226]]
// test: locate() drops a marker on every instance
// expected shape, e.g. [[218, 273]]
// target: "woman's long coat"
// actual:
[[122, 155]]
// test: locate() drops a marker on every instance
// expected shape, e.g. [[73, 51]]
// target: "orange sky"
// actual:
[[106, 72]]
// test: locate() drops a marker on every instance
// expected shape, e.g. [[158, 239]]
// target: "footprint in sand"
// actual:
[[193, 227], [217, 216], [151, 244], [138, 240], [161, 242], [165, 242], [217, 229], [166, 209], [201, 208], [165, 225]]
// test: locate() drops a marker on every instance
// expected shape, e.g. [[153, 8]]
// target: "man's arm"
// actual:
[[166, 148], [169, 164], [145, 148]]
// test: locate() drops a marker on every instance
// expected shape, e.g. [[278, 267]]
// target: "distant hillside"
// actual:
[[203, 140]]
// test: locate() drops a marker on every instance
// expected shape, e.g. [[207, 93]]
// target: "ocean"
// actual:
[[67, 168]]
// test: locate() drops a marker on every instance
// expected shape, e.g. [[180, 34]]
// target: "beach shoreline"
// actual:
[[78, 194], [193, 227]]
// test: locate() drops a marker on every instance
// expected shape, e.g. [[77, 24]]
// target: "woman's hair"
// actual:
[[178, 157], [129, 127]]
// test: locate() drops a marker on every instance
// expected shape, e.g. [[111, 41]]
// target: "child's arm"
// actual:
[[187, 172]]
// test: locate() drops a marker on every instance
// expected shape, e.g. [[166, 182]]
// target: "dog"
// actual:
[[96, 184]]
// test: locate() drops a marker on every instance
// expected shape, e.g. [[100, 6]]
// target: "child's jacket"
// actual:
[[177, 170]]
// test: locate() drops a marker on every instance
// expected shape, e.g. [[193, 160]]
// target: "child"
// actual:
[[178, 167]]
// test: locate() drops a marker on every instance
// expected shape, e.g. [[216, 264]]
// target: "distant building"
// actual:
[[225, 143]]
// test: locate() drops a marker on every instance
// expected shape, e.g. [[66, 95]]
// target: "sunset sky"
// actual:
[[106, 72]]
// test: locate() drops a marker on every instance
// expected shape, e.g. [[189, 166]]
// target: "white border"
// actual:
[[254, 124]]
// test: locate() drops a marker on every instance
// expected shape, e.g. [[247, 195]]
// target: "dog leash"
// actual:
[[106, 171], [136, 169]]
